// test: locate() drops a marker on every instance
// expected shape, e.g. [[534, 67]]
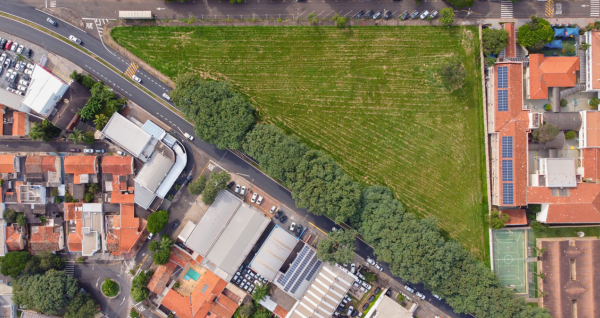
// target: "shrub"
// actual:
[[497, 220], [21, 220], [547, 107], [110, 288], [10, 216], [80, 260], [133, 313], [569, 48], [594, 102], [538, 227], [545, 133], [88, 81], [54, 192], [570, 134], [370, 277], [76, 76], [177, 285], [453, 74], [88, 197], [564, 103]]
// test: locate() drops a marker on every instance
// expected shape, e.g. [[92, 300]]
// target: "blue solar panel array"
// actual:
[[507, 170], [507, 147], [302, 268], [503, 77], [507, 194], [283, 279], [503, 101]]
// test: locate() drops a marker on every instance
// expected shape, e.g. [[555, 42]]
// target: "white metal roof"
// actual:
[[44, 91], [187, 230], [155, 171], [154, 130], [273, 253], [126, 134], [176, 170], [11, 100], [142, 196]]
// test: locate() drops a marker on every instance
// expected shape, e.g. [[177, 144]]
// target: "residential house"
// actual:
[[14, 238], [545, 72], [81, 169], [43, 170], [124, 231], [85, 227], [9, 167], [117, 174], [48, 237], [20, 125]]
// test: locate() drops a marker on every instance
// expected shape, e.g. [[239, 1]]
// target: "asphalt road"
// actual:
[[38, 146], [225, 158]]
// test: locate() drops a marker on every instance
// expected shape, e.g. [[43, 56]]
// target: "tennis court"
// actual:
[[509, 258]]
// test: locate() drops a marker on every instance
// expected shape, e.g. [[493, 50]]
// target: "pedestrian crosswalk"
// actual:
[[549, 8], [131, 69], [506, 9], [70, 268], [595, 8]]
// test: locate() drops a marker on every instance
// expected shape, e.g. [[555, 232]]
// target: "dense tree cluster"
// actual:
[[494, 41], [157, 221], [139, 291], [196, 187], [221, 116], [44, 131], [216, 182], [17, 263], [103, 101], [535, 33], [337, 247], [161, 251]]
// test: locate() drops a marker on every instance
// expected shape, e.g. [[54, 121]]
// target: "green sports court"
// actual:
[[509, 258]]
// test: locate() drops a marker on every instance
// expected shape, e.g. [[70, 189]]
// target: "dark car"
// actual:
[[75, 150], [369, 14], [298, 229], [354, 313], [231, 184], [387, 15], [51, 22], [359, 15], [283, 218], [278, 214], [176, 225], [415, 14], [404, 15], [341, 307], [25, 77], [371, 299], [388, 292], [11, 85], [27, 52], [2, 43], [377, 290], [366, 305]]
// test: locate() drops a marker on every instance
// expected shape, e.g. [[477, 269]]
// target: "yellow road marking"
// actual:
[[205, 167], [549, 8], [316, 227], [131, 69], [316, 237]]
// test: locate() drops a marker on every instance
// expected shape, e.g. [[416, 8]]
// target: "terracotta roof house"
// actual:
[[7, 166], [592, 63], [124, 231], [46, 170], [83, 168], [159, 280], [120, 166], [570, 285], [511, 47], [14, 238], [516, 217], [85, 227], [47, 238], [550, 71], [20, 124], [117, 174]]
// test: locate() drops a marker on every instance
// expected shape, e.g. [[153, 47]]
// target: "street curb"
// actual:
[[117, 295], [57, 18]]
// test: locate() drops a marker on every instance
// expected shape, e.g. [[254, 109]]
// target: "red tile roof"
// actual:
[[18, 128], [581, 206], [118, 197], [117, 165], [79, 165], [515, 94], [40, 164], [280, 312], [516, 217], [595, 59], [45, 239], [161, 276], [179, 256], [551, 71], [7, 163], [14, 239], [510, 49], [592, 128], [129, 231], [591, 164], [70, 212]]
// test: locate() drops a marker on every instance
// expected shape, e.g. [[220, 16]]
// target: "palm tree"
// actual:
[[100, 121], [76, 136], [165, 242]]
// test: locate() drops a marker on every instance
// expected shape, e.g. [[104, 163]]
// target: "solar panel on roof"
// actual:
[[503, 77], [507, 170], [507, 193], [507, 147], [503, 101]]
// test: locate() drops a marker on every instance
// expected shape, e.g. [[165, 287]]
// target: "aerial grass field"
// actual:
[[369, 96]]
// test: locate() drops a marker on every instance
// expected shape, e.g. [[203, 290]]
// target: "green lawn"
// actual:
[[369, 96], [568, 232]]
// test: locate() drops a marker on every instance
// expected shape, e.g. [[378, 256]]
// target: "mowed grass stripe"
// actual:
[[369, 96]]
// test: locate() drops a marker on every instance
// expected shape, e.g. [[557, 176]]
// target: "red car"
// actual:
[[8, 45]]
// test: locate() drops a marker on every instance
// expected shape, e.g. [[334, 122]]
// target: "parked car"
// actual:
[[379, 267], [8, 45], [74, 39], [52, 22], [88, 150], [254, 196], [359, 14], [230, 184], [353, 268], [433, 14], [388, 292], [354, 313], [24, 82], [293, 227], [237, 189], [3, 57], [188, 136], [14, 46], [299, 229], [278, 214], [137, 79], [424, 15], [350, 309], [175, 225], [415, 14], [259, 201], [370, 300], [377, 15], [30, 66], [27, 53], [409, 289], [150, 236], [377, 290], [7, 63], [28, 72], [387, 15], [437, 297], [20, 49], [243, 191], [99, 150], [25, 77], [273, 208], [75, 150], [366, 285], [120, 153], [282, 219], [366, 305], [22, 87], [2, 43], [166, 96], [420, 295], [370, 261], [368, 14]]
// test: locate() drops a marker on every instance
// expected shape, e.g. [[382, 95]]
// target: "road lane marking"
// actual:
[[131, 69]]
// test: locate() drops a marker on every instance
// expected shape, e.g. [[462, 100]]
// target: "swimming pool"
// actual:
[[191, 274]]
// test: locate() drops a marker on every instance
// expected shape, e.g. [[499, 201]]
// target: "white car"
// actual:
[[379, 267], [259, 201], [437, 297], [14, 46], [188, 136], [166, 96], [410, 289], [293, 227], [420, 295], [24, 82], [253, 199], [424, 15], [28, 72], [370, 261], [273, 208], [3, 57], [20, 49], [22, 88], [30, 66], [74, 39], [243, 190], [137, 79], [237, 188], [353, 268], [120, 153], [88, 150]]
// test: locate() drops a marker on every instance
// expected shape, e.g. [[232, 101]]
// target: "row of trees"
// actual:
[[161, 250], [139, 291], [414, 248]]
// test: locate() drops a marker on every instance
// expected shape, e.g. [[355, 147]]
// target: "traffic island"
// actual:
[[110, 288]]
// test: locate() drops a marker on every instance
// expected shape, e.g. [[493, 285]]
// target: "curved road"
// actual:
[[228, 160]]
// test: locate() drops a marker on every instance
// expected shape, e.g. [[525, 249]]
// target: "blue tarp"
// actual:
[[572, 32], [556, 44], [559, 33]]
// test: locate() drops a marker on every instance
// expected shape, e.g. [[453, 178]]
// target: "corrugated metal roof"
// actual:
[[154, 171], [44, 91], [126, 134], [142, 196], [154, 130], [273, 253], [169, 140], [92, 207], [180, 163]]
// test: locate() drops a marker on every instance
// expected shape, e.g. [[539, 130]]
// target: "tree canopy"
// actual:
[[535, 33], [220, 115], [157, 221], [10, 216], [139, 292], [453, 73], [447, 16], [494, 40], [545, 133], [103, 100], [216, 183], [13, 263], [44, 131], [82, 306], [161, 250], [461, 3], [198, 185], [337, 247], [48, 293], [497, 220]]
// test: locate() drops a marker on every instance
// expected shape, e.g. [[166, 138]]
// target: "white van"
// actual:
[[188, 136]]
